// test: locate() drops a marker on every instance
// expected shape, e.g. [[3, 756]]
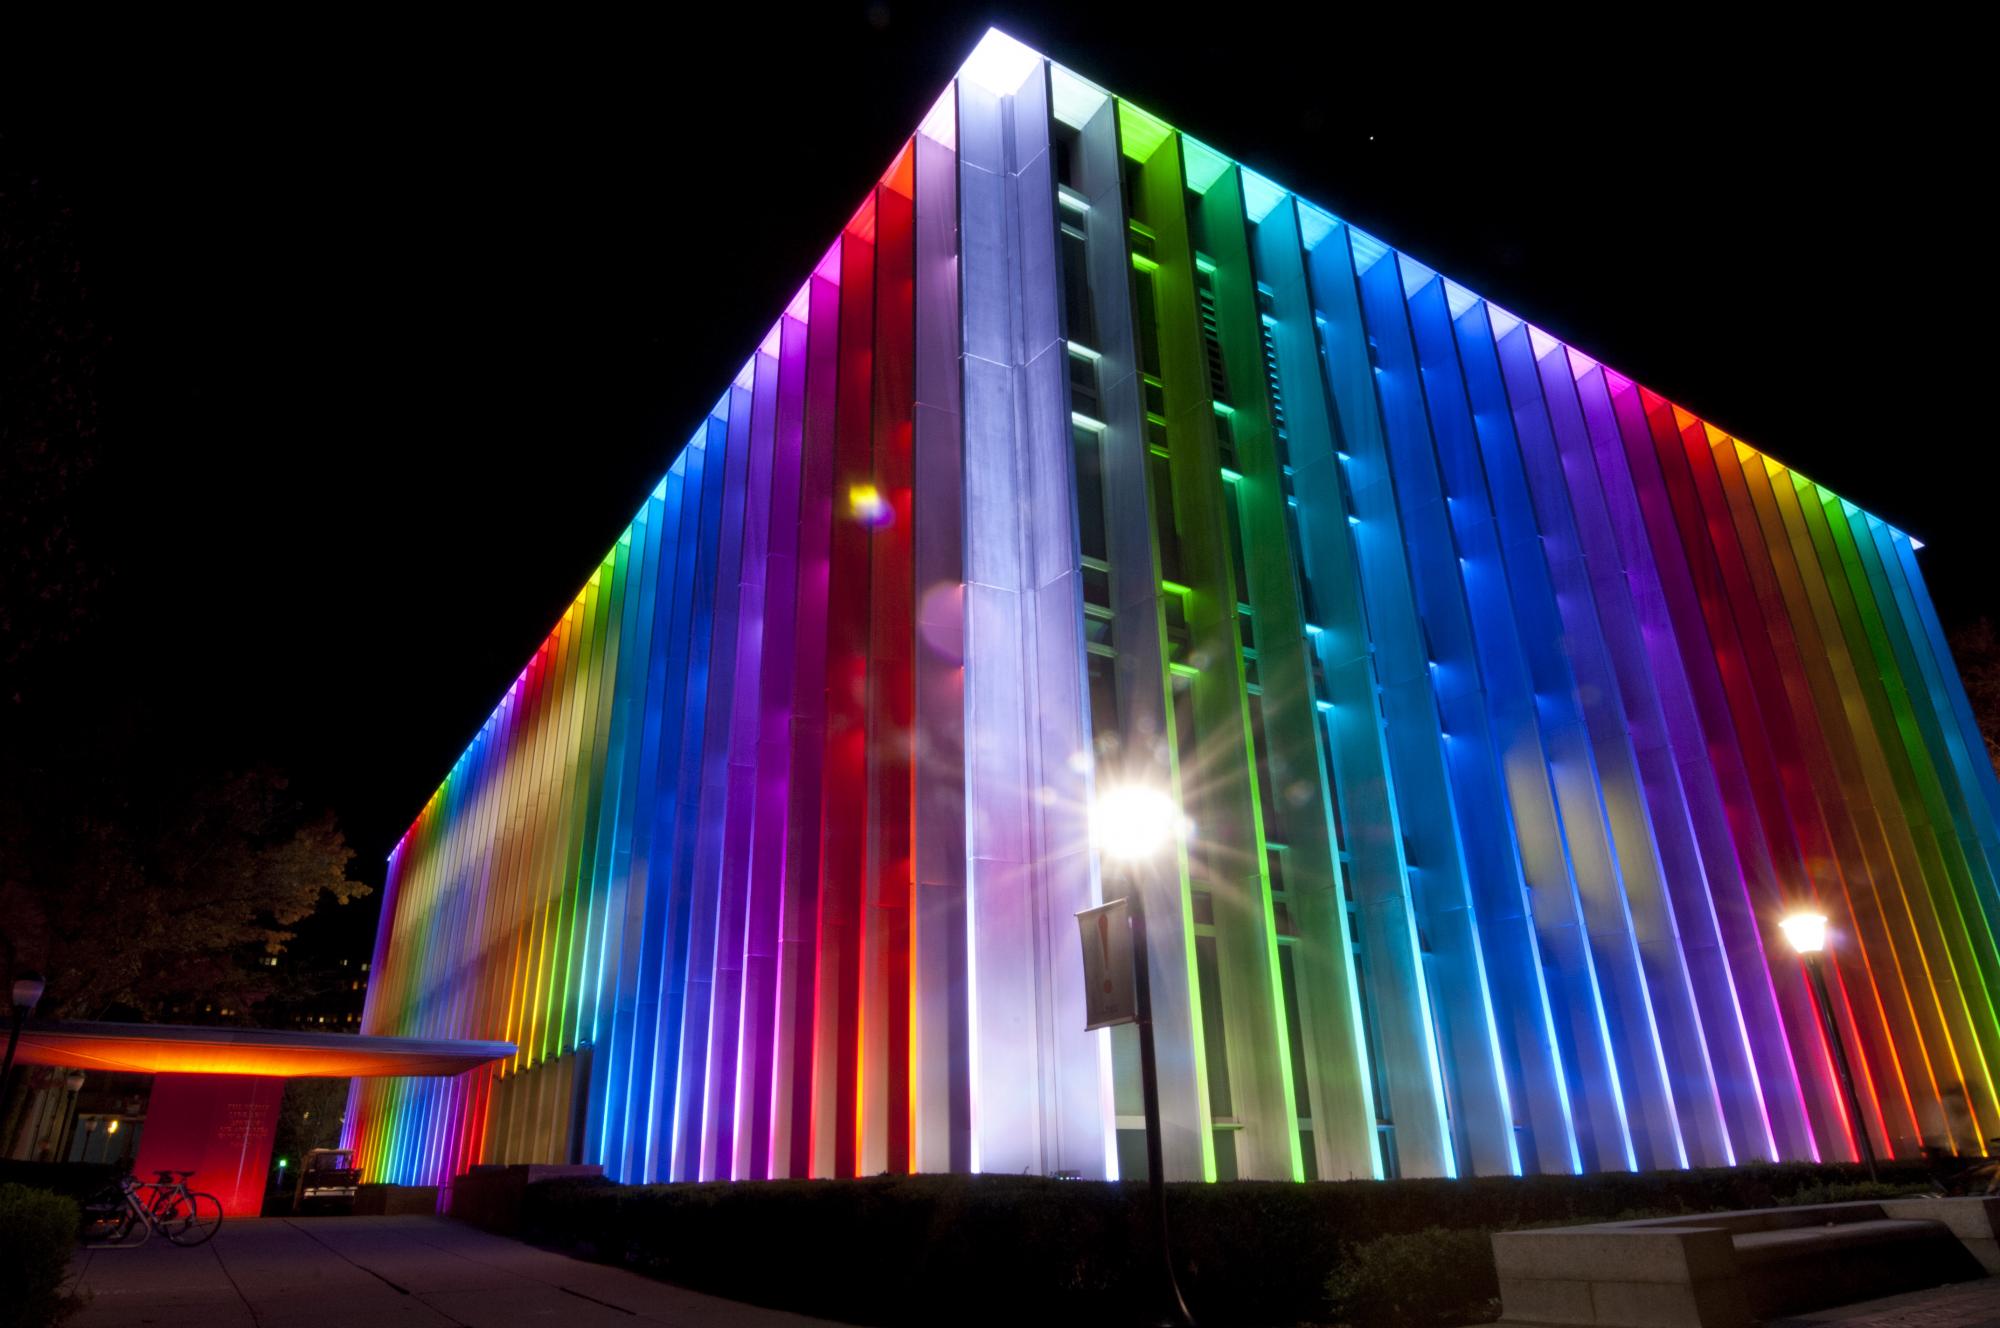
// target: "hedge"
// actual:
[[37, 1232], [1434, 1278], [892, 1250]]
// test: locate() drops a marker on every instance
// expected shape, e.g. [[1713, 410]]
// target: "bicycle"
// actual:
[[166, 1205]]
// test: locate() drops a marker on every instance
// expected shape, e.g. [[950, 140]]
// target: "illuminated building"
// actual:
[[1510, 705]]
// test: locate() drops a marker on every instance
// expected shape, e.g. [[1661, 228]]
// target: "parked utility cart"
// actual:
[[328, 1180]]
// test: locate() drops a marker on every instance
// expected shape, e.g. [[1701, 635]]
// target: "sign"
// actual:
[[219, 1126], [1109, 996]]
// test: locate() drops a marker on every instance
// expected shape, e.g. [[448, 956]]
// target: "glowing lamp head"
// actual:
[[1133, 822], [1806, 932], [868, 505], [27, 993]]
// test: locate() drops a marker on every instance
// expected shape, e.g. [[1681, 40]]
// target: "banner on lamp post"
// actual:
[[1110, 996]]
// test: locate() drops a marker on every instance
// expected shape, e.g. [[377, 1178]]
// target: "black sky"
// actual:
[[404, 325]]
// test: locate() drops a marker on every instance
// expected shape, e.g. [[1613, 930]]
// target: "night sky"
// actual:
[[404, 326]]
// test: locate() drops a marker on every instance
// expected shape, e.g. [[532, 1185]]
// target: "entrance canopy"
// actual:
[[184, 1049]]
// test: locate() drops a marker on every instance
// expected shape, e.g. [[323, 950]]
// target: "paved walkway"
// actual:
[[1967, 1305], [385, 1272]]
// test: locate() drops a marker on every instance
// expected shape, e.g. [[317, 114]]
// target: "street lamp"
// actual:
[[1806, 931], [1132, 824], [27, 995]]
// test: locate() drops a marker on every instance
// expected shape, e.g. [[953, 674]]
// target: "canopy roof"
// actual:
[[182, 1049]]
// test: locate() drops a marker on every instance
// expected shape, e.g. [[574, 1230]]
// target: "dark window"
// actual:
[[1186, 742], [1076, 287], [1161, 477], [1211, 335], [1289, 979], [1237, 564], [1069, 156], [1214, 1039], [1088, 446], [1104, 703], [1083, 386], [1225, 441], [1267, 790], [1174, 612], [1097, 585], [1147, 327]]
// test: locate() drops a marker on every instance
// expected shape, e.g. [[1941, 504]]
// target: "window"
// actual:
[[1069, 156], [1083, 395], [1185, 741], [1087, 446], [1077, 305], [1147, 326], [1214, 1037], [1267, 332], [1173, 612], [1237, 564], [1096, 586], [1103, 674], [1225, 440], [1211, 329], [1267, 788], [1161, 480]]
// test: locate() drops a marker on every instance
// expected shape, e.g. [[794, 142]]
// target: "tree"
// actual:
[[1977, 650], [152, 896]]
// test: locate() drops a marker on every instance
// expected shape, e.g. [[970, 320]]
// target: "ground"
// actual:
[[1967, 1305], [386, 1272], [415, 1272]]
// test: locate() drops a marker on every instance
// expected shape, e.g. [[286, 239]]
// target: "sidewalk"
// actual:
[[1966, 1305], [385, 1272]]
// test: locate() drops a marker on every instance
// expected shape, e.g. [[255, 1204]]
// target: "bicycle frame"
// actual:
[[152, 1206], [130, 1213]]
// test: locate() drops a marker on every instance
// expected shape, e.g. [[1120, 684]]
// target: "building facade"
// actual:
[[1509, 704]]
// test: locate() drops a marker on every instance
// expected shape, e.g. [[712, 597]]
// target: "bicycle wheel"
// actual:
[[169, 1209], [195, 1219], [107, 1227]]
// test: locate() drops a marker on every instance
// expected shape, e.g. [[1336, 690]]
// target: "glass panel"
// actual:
[[1147, 327], [1088, 447], [1104, 702], [1289, 979], [1077, 307], [1214, 1039], [1083, 386], [1096, 586], [1225, 1155], [1163, 516]]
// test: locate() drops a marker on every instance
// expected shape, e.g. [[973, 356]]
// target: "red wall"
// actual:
[[220, 1126]]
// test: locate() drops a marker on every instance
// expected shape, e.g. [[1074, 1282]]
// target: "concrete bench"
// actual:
[[1729, 1270]]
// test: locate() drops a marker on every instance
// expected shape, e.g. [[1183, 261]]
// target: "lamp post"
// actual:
[[27, 995], [1806, 932], [1132, 825]]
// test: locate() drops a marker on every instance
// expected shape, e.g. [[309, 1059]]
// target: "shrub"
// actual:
[[1837, 1191], [37, 1233], [889, 1249], [1419, 1279]]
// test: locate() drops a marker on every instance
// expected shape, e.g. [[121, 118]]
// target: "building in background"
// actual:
[[1510, 706]]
